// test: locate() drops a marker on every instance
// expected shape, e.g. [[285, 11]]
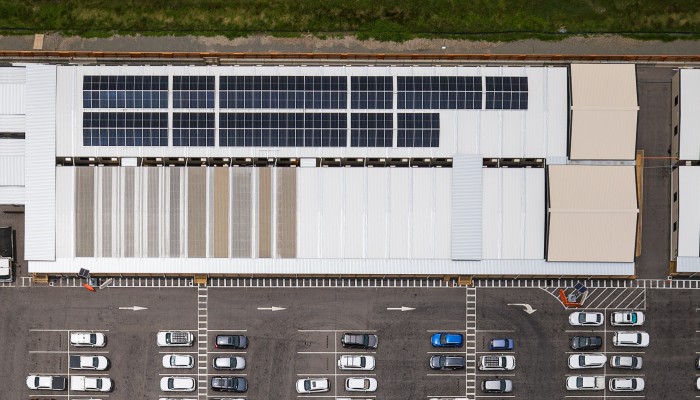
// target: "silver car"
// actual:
[[626, 362]]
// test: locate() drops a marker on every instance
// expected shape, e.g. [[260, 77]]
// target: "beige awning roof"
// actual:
[[592, 213], [604, 111]]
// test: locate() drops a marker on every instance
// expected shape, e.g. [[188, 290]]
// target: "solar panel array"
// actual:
[[439, 92], [285, 92], [506, 93], [125, 129], [283, 129], [125, 91], [371, 92], [193, 129], [307, 128], [193, 92], [371, 130], [418, 130]]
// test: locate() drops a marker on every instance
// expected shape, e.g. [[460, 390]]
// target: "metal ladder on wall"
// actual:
[[470, 343], [202, 339]]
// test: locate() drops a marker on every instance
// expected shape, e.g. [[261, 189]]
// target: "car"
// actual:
[[359, 341], [178, 361], [626, 362], [581, 361], [697, 384], [631, 339], [360, 384], [90, 384], [585, 383], [229, 362], [97, 363], [41, 382], [313, 385], [581, 318], [174, 338], [501, 344], [627, 318], [446, 339], [626, 384], [88, 339], [497, 386], [697, 363], [444, 362], [231, 342], [500, 362], [586, 342], [177, 384], [229, 384], [356, 362]]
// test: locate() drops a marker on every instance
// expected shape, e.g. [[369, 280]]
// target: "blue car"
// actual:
[[501, 344], [447, 340]]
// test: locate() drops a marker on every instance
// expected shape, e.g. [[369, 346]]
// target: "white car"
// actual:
[[178, 361], [356, 362], [177, 384], [627, 318], [80, 383], [40, 382], [585, 383], [313, 385], [697, 384], [581, 361], [626, 384], [631, 339], [360, 384], [98, 363], [88, 339], [581, 318], [626, 362], [230, 363]]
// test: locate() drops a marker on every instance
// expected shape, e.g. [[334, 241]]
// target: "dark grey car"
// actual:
[[231, 342], [229, 384], [359, 340], [586, 342], [447, 362]]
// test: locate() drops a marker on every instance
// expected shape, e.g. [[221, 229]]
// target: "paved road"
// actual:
[[303, 339], [574, 45]]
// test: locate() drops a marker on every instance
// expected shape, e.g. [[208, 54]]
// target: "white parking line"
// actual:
[[69, 330], [67, 351], [337, 352], [335, 330], [445, 330], [178, 352], [227, 330], [446, 374], [447, 352], [496, 330], [355, 373]]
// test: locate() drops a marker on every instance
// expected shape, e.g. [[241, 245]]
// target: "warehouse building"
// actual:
[[296, 170]]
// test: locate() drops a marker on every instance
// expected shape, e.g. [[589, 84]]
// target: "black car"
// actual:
[[229, 384], [586, 342], [359, 340], [231, 342], [447, 362]]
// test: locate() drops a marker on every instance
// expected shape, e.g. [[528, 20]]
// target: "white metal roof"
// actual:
[[604, 111], [689, 127], [688, 211], [688, 264], [538, 132], [513, 213], [302, 267], [11, 162], [40, 179], [592, 213], [12, 91]]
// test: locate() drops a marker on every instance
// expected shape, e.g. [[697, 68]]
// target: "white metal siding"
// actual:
[[423, 213], [467, 177], [65, 212], [355, 201], [11, 170], [332, 219], [40, 174], [12, 123], [378, 213], [309, 210], [12, 90], [400, 215], [689, 128], [688, 211]]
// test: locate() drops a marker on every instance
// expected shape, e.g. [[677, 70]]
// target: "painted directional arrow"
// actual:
[[402, 308], [528, 308], [134, 308], [273, 308]]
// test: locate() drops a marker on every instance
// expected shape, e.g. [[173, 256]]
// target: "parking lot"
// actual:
[[302, 339]]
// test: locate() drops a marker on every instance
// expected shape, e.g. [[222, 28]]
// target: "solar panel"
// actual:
[[193, 91], [283, 129], [121, 91], [439, 92], [506, 93], [371, 130], [371, 92], [193, 129], [125, 129], [418, 130], [283, 92]]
